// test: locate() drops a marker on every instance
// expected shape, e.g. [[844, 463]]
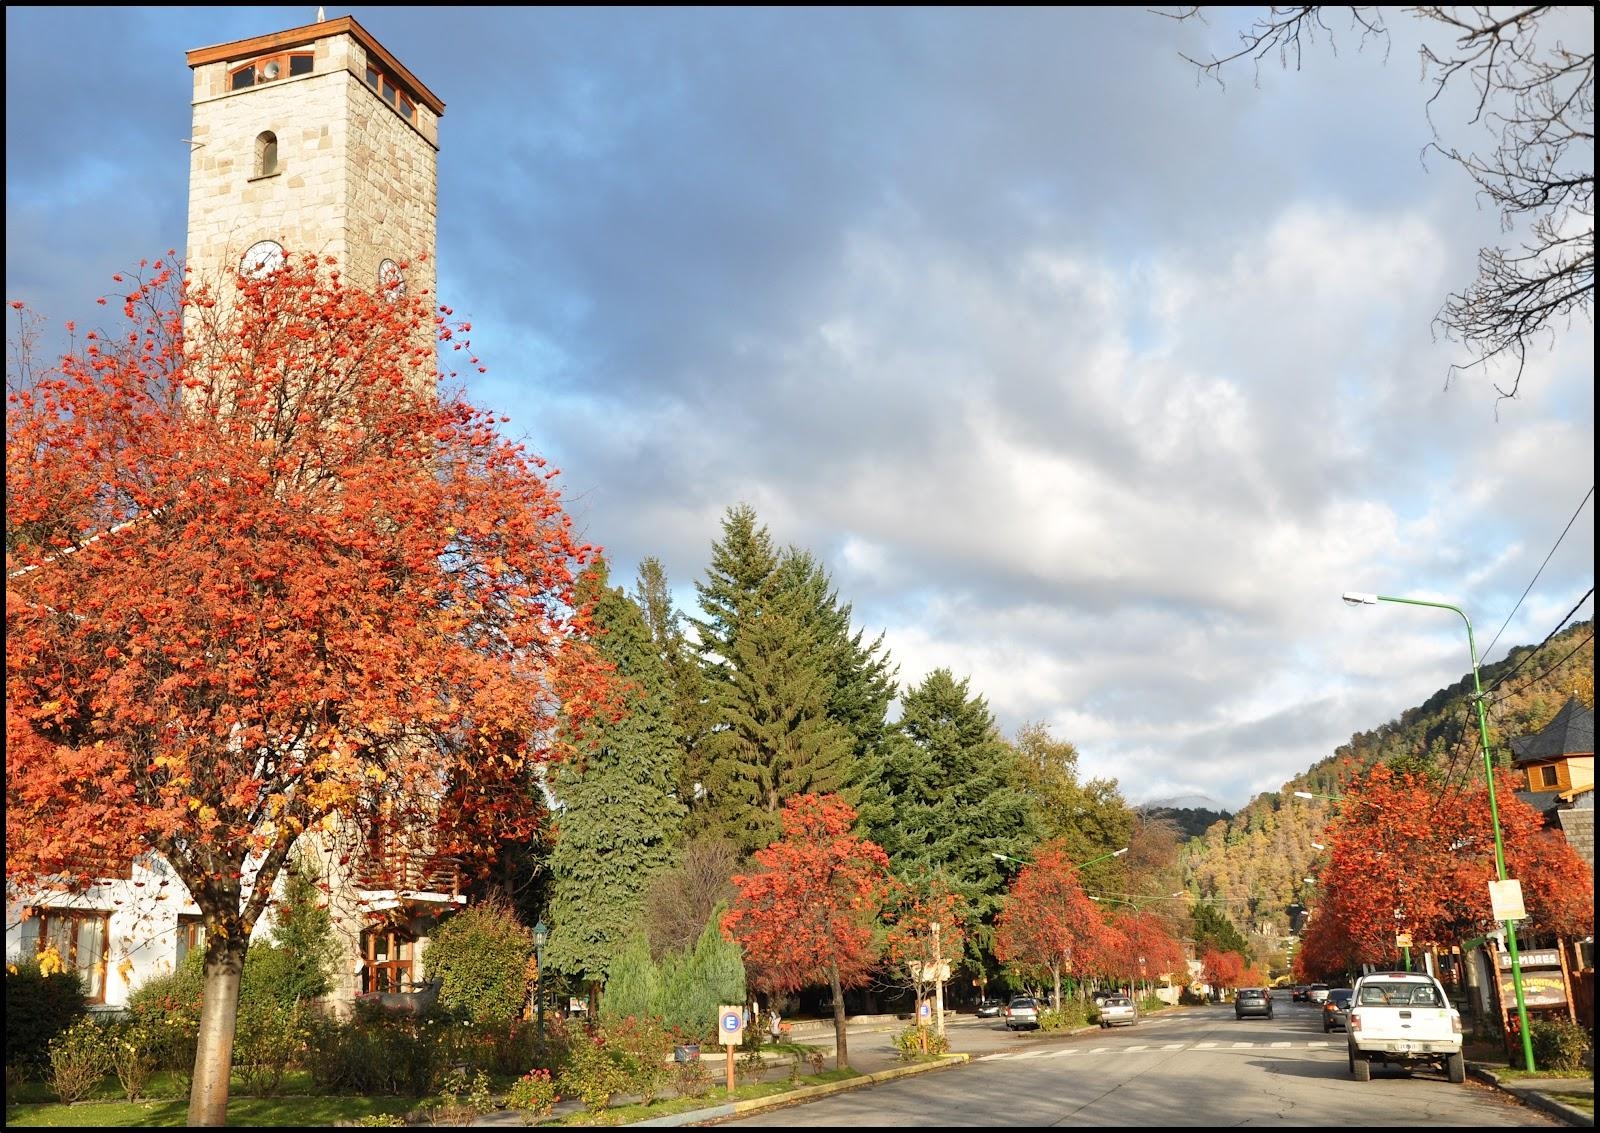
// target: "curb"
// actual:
[[804, 1093], [1538, 1099]]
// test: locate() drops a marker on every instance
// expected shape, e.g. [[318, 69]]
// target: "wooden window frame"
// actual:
[[392, 974], [392, 91], [191, 934], [1549, 776], [286, 61], [95, 982]]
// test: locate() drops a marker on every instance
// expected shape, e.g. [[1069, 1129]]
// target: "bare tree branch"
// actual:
[[1534, 97]]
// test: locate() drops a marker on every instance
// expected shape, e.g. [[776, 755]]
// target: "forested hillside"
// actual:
[[1255, 864]]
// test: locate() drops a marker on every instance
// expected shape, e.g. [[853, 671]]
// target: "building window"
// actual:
[[388, 960], [389, 90], [268, 68], [1548, 776], [79, 937], [266, 154], [191, 935]]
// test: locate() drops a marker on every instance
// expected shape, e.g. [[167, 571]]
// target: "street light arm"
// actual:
[[1488, 774]]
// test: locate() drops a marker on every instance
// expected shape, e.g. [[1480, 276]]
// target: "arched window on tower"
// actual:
[[266, 154]]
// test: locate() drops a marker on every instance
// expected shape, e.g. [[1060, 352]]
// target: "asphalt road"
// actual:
[[1199, 1067]]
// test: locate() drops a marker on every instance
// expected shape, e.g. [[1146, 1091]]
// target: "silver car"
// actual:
[[1118, 1011], [1023, 1012]]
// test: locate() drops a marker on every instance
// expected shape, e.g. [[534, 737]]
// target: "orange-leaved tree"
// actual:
[[1047, 924], [263, 579], [1150, 951], [808, 915], [1408, 855], [1223, 969], [926, 922]]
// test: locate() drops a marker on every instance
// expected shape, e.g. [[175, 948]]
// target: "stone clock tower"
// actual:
[[317, 140]]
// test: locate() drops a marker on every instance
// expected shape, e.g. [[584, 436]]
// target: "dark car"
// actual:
[[1335, 1010], [1252, 1001], [990, 1008], [1302, 993], [1023, 1011]]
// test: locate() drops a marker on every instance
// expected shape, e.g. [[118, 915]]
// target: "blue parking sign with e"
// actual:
[[732, 1021]]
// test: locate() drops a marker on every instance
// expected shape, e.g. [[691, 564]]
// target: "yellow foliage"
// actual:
[[50, 962]]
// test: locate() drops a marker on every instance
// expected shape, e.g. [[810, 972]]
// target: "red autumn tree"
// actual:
[[926, 921], [1047, 924], [263, 579], [808, 915], [1222, 969], [1405, 854], [1150, 951]]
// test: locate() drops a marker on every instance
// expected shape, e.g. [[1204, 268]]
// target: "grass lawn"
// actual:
[[299, 1111], [106, 1112], [1583, 1102]]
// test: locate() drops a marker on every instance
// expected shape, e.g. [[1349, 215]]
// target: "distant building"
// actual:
[[1558, 768]]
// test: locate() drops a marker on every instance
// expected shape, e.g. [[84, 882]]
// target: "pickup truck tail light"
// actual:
[[1353, 1021], [1455, 1022]]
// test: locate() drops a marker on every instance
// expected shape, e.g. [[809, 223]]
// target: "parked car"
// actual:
[[1022, 1011], [1335, 1008], [1318, 993], [990, 1008], [1252, 1001], [1118, 1011]]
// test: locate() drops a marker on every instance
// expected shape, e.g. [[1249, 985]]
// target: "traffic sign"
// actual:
[[730, 1024], [1402, 940]]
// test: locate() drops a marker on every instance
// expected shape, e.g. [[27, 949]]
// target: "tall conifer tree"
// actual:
[[943, 795], [797, 697], [619, 816]]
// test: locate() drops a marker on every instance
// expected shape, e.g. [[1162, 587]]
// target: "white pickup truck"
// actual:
[[1403, 1018]]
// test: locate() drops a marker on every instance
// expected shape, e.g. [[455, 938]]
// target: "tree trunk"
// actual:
[[841, 1050], [219, 1017], [1055, 970]]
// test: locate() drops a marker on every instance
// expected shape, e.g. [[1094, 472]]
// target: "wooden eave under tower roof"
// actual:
[[310, 33]]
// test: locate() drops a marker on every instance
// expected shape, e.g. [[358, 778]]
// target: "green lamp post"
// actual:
[[1357, 599]]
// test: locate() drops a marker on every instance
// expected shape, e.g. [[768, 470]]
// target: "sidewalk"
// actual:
[[1539, 1093]]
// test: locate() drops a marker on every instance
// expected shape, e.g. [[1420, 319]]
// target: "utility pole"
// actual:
[[938, 980]]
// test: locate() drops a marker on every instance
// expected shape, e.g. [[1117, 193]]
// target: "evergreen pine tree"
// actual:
[[944, 795], [798, 697], [634, 985], [619, 816], [693, 713]]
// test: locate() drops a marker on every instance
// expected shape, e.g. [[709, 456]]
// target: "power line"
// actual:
[[1587, 497], [1547, 672], [1504, 677]]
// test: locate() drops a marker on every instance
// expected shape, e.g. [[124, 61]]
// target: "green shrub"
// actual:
[[38, 1008], [913, 1042], [646, 1045], [1558, 1044], [480, 955], [595, 1071], [79, 1057], [691, 1078], [135, 1054], [633, 983], [533, 1096], [269, 1038], [374, 1052]]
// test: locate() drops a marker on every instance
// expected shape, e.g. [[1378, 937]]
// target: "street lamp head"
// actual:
[[1318, 846], [1309, 880], [1304, 795], [1120, 852], [1354, 598], [540, 934]]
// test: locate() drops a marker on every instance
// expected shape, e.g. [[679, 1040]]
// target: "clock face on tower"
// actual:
[[391, 280], [261, 259]]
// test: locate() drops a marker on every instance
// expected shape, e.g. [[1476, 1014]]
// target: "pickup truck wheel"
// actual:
[[1360, 1068], [1455, 1067]]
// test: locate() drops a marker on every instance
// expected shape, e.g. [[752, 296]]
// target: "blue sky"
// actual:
[[1088, 379]]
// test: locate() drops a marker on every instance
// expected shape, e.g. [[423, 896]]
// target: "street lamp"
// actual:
[[1103, 857], [1353, 598], [540, 935]]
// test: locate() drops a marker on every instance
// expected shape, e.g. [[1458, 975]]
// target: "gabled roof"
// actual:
[[1570, 733]]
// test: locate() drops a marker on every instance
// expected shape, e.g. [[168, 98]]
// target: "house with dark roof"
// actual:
[[1558, 765]]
